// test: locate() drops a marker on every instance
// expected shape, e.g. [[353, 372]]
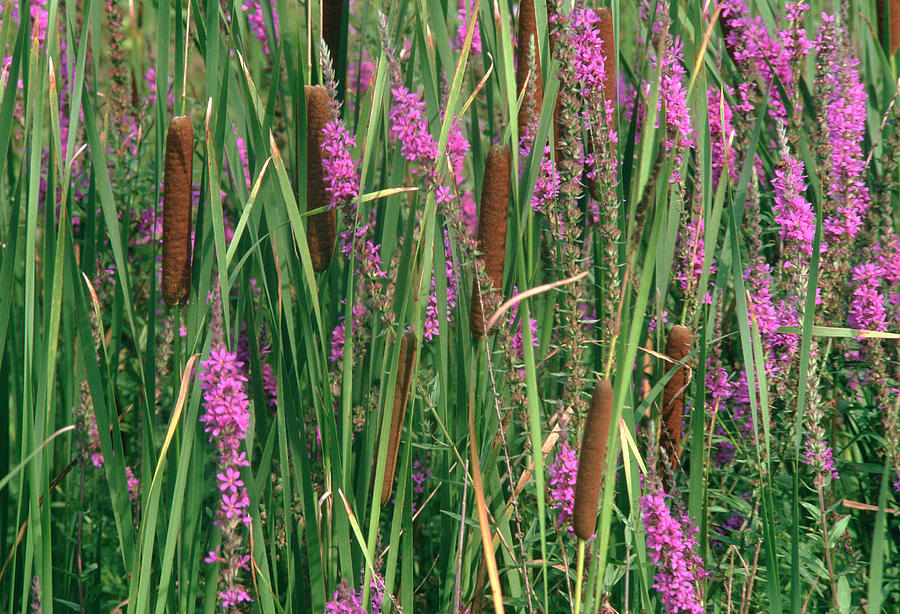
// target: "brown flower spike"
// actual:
[[401, 396], [491, 229], [320, 227], [678, 345], [177, 211], [591, 460], [609, 51], [527, 33], [332, 14], [893, 25]]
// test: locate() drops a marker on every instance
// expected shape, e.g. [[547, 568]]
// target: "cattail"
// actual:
[[320, 228], [893, 26], [176, 222], [401, 395], [491, 229], [526, 37], [591, 460], [332, 14], [609, 51], [678, 345]]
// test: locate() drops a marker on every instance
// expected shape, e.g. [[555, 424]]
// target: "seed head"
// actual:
[[592, 460], [491, 229], [401, 396], [177, 211], [320, 227]]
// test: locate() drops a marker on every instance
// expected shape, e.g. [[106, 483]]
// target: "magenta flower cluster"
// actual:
[[721, 134], [867, 310], [257, 21], [432, 313], [227, 419], [792, 211], [409, 128], [465, 9], [766, 57], [563, 472], [845, 117], [672, 98], [339, 168], [672, 546], [345, 600]]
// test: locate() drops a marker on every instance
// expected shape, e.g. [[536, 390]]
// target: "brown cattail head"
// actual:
[[591, 460], [320, 228], [526, 37], [491, 228], [892, 29], [678, 345], [177, 211], [332, 13], [401, 396]]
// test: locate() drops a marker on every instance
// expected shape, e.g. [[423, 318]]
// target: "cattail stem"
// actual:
[[320, 227], [177, 211], [591, 460], [678, 345], [401, 396], [491, 230], [579, 568]]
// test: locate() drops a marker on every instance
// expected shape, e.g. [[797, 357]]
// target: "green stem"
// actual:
[[578, 578]]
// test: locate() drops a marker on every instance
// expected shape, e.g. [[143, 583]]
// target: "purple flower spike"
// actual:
[[673, 549], [227, 420]]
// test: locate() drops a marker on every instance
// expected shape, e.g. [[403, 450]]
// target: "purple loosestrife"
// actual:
[[227, 420], [578, 47], [134, 485], [465, 8], [672, 92], [672, 546], [843, 121], [35, 596], [432, 313], [257, 22], [516, 343], [817, 451], [563, 472], [345, 601], [793, 213], [691, 250], [867, 309], [409, 128], [409, 124], [721, 136], [762, 58]]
